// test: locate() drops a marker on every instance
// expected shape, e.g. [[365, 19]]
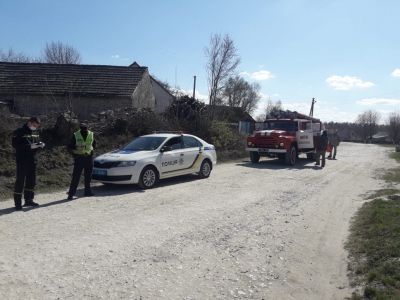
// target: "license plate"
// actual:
[[263, 150], [100, 172]]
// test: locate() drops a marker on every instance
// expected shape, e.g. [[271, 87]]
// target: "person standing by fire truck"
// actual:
[[334, 141], [323, 142], [81, 147]]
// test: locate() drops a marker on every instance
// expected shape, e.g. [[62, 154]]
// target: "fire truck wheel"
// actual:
[[254, 157], [205, 169], [291, 155]]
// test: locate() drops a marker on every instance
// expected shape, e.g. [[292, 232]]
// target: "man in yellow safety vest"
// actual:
[[81, 147]]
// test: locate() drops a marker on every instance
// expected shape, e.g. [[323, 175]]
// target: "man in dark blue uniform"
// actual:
[[26, 142], [81, 147]]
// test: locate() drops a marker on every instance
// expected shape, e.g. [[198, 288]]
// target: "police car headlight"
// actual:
[[126, 163]]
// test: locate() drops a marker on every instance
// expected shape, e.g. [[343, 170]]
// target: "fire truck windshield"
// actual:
[[287, 126]]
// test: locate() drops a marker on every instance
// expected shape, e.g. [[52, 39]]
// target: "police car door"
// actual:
[[170, 160], [191, 154], [304, 135]]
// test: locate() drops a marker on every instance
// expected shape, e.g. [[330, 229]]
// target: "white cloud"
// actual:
[[244, 73], [260, 75], [302, 107], [396, 73], [376, 101], [347, 82], [263, 96], [335, 115], [115, 56]]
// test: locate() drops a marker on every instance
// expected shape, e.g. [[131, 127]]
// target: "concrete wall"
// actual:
[[83, 107], [143, 96], [163, 98]]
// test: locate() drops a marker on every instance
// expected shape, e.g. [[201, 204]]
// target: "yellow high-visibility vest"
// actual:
[[86, 143]]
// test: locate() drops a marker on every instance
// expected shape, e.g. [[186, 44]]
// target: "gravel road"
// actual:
[[250, 231]]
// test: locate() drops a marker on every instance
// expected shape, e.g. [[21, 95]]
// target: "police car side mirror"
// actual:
[[166, 149]]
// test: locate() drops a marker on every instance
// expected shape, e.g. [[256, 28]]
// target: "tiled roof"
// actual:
[[38, 78]]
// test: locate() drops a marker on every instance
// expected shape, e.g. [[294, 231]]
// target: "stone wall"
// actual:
[[83, 107]]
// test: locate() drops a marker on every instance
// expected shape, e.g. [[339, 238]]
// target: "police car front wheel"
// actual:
[[148, 178], [205, 169]]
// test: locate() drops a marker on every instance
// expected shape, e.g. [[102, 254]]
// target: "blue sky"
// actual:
[[343, 53]]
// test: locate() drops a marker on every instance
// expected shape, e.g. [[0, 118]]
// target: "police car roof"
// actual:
[[164, 134]]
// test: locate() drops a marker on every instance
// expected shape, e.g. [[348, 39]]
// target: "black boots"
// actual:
[[88, 194], [30, 203]]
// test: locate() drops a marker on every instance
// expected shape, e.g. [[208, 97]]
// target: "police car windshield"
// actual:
[[145, 143], [289, 126]]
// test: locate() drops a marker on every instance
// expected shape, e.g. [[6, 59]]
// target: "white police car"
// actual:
[[149, 158]]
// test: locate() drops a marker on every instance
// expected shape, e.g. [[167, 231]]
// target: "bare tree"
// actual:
[[16, 57], [273, 108], [234, 91], [260, 118], [222, 62], [394, 124], [239, 93], [58, 53], [369, 120], [250, 101]]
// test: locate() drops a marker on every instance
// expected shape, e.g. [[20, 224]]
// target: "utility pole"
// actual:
[[194, 86], [312, 107]]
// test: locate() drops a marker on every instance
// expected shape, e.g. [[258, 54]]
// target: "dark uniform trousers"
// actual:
[[26, 174], [318, 155], [82, 162]]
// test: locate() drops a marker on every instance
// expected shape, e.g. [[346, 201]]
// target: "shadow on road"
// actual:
[[106, 190], [6, 211], [279, 164]]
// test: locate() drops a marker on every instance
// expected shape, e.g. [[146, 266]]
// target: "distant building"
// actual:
[[231, 114], [348, 135], [236, 117], [381, 137]]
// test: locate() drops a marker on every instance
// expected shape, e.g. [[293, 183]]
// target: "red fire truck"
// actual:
[[285, 136]]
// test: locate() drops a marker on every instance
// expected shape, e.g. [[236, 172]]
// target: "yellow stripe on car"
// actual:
[[133, 154]]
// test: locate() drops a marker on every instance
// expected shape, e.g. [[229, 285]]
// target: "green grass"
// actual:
[[396, 156], [394, 174], [383, 193], [374, 244]]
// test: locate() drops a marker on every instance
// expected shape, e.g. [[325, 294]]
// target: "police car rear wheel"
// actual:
[[205, 169], [148, 178]]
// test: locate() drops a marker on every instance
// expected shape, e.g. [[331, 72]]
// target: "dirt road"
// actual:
[[250, 231]]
